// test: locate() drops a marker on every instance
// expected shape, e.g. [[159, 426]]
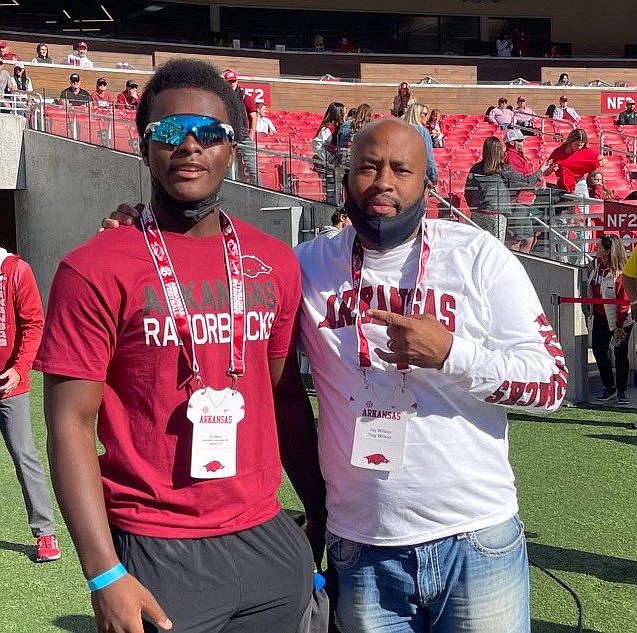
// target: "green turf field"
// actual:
[[577, 477]]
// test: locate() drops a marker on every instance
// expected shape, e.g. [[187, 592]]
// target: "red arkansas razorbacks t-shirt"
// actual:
[[107, 321]]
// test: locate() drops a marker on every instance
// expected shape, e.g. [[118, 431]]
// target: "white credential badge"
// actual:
[[215, 416], [382, 415]]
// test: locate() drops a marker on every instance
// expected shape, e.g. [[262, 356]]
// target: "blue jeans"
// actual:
[[476, 582]]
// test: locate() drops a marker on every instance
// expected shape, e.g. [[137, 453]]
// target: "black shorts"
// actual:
[[256, 581]]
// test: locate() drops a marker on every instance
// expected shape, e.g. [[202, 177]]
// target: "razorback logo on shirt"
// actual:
[[339, 309], [209, 313], [537, 394]]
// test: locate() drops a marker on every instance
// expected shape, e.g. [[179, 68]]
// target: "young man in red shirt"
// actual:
[[21, 322], [179, 332]]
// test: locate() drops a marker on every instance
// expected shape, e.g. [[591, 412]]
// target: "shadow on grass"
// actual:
[[608, 568], [625, 439], [76, 623], [27, 550], [522, 417], [540, 626]]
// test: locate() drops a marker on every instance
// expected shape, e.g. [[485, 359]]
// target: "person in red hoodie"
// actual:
[[129, 98], [21, 323]]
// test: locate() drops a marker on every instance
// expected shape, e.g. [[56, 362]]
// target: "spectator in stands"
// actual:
[[628, 116], [488, 191], [6, 54], [565, 112], [129, 98], [416, 115], [504, 45], [319, 43], [101, 97], [553, 51], [550, 111], [520, 43], [339, 221], [325, 150], [21, 87], [563, 80], [436, 127], [502, 116], [79, 57], [41, 55], [611, 322], [514, 152], [574, 160], [514, 157], [5, 84], [597, 188], [264, 124], [487, 113], [401, 100], [245, 136], [22, 321], [523, 116], [344, 46], [362, 115], [75, 95]]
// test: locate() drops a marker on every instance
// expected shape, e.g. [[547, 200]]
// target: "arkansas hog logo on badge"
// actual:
[[376, 459], [253, 266], [213, 466]]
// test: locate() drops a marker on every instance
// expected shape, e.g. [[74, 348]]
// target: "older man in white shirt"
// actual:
[[565, 112]]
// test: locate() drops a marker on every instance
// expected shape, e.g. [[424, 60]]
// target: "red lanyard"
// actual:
[[175, 298], [364, 360]]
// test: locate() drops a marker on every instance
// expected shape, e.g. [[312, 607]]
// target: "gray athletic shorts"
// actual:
[[256, 581]]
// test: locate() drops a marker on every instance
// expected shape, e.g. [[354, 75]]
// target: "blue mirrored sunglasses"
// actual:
[[173, 130]]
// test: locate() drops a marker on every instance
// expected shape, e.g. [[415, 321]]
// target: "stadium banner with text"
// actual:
[[258, 90], [620, 218], [615, 102]]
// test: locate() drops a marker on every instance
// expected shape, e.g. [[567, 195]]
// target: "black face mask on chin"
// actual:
[[191, 210], [381, 233]]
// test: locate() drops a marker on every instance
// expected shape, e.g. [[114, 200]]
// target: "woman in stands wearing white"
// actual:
[[264, 124], [22, 88]]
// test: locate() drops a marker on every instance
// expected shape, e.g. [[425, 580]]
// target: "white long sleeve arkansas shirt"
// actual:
[[456, 475]]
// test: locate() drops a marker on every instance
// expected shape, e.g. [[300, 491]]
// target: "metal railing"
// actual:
[[22, 104], [628, 139], [545, 121], [564, 225]]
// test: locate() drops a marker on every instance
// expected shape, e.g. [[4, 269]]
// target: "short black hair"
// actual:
[[189, 73], [338, 215]]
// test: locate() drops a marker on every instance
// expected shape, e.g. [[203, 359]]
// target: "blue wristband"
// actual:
[[106, 578]]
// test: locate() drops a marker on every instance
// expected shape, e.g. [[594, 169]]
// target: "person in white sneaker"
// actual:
[[21, 323]]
